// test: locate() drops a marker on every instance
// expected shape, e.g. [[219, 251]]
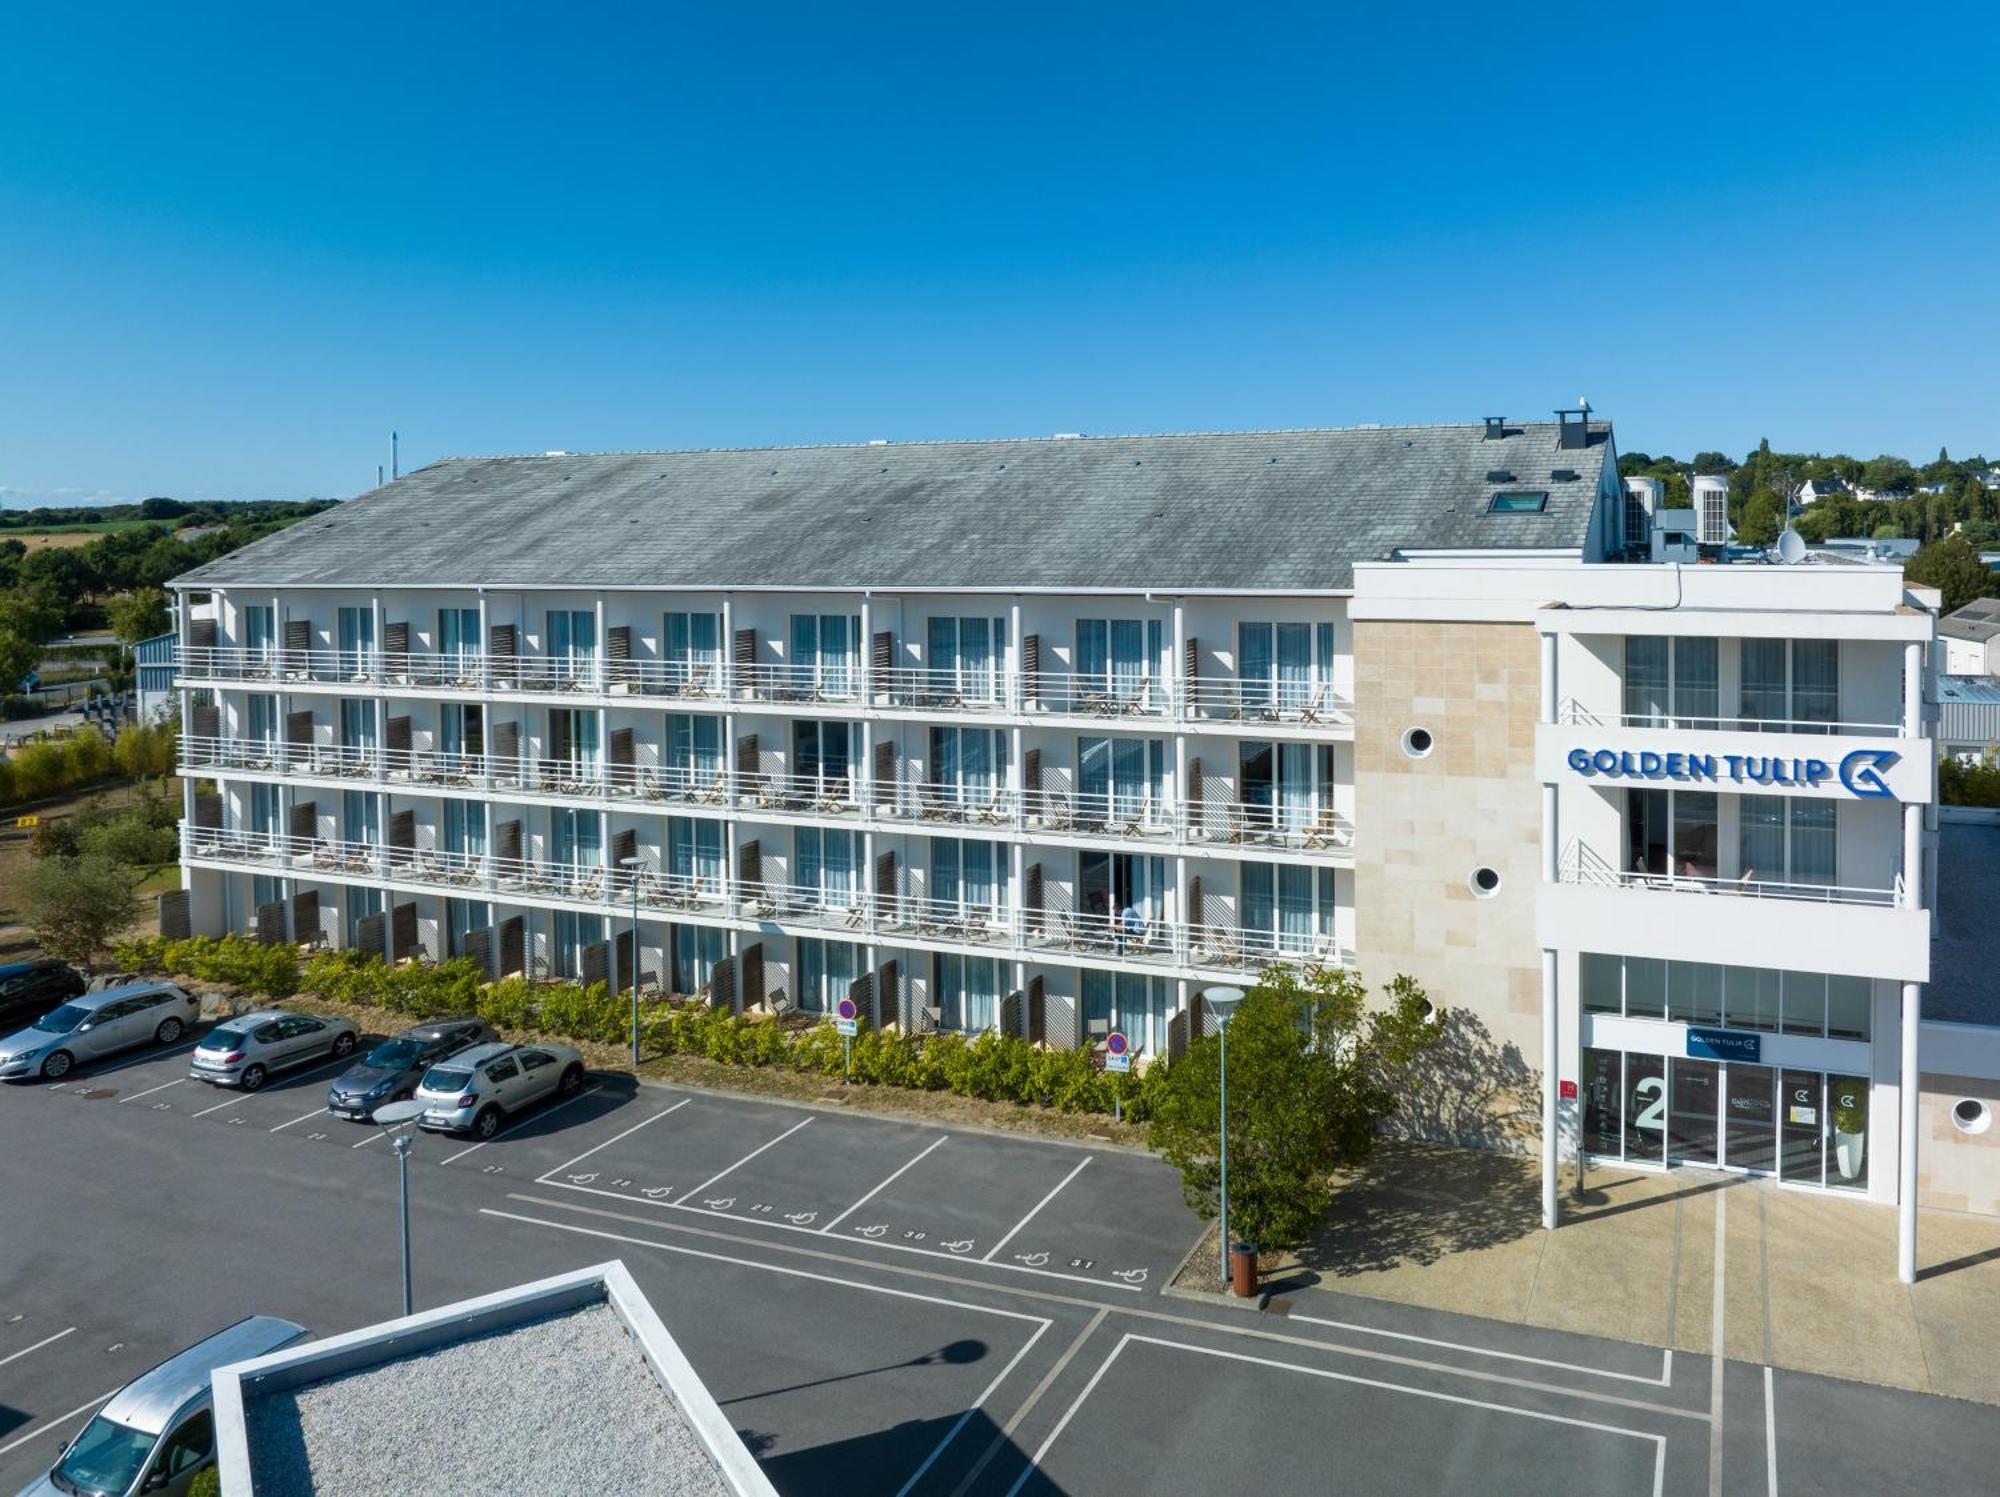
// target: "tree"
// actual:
[[162, 509], [1889, 475], [1953, 567], [27, 622], [76, 905], [1309, 1084], [137, 615], [1763, 518]]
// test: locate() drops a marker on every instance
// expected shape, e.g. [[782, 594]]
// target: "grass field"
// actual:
[[80, 534], [16, 941]]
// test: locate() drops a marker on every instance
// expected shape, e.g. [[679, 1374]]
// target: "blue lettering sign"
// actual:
[[1723, 1044], [1860, 772]]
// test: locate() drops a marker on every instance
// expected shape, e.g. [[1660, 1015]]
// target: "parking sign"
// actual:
[[1117, 1052]]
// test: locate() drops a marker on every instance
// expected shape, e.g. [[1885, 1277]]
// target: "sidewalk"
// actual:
[[1809, 1281]]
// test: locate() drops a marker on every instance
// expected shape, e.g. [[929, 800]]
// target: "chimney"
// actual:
[[1496, 428], [1573, 428]]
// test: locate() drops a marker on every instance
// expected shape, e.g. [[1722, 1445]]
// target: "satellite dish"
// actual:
[[1791, 547]]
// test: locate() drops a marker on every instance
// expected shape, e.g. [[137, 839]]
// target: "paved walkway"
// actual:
[[1809, 1281]]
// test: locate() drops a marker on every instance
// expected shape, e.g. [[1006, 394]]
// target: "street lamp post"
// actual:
[[1222, 1002], [398, 1120], [632, 867]]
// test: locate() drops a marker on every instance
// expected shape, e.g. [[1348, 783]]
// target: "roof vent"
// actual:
[[1573, 429], [555, 452], [1496, 428], [1562, 475], [878, 441], [1067, 436], [1499, 475]]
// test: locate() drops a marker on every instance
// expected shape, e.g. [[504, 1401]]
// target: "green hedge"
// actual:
[[989, 1066]]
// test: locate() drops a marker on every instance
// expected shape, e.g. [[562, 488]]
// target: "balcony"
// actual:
[[1123, 819], [1749, 922], [1160, 945], [1101, 697]]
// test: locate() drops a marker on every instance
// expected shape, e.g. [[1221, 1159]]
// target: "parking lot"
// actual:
[[881, 1306]]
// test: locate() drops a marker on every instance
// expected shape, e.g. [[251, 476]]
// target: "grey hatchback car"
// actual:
[[475, 1090], [93, 1025], [391, 1071], [246, 1051]]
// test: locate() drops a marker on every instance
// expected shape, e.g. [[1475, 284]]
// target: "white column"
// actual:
[[1551, 1068], [1913, 689], [603, 648], [1906, 1163], [1176, 688], [868, 686], [1549, 698], [1913, 856], [1013, 697]]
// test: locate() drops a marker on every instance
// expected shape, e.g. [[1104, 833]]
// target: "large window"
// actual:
[[968, 880], [967, 990], [827, 864], [826, 651], [1120, 782], [968, 766], [823, 757], [694, 854], [458, 635], [361, 816], [571, 641], [1670, 682], [576, 838], [696, 951], [260, 632], [694, 751], [261, 725], [573, 740], [355, 634], [1133, 1003], [1790, 685], [1806, 1003], [691, 646], [1284, 668], [1282, 785], [570, 936], [267, 814], [1122, 896], [1787, 840], [1118, 664], [357, 723], [965, 658], [1287, 910], [465, 828], [358, 905], [823, 971], [1671, 833], [461, 735]]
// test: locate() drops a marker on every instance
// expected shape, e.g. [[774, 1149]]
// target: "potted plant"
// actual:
[[1850, 1129]]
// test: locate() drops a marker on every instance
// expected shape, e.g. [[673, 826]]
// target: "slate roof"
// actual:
[[1977, 621], [1246, 511]]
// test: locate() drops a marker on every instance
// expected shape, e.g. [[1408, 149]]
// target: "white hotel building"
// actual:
[[1048, 735]]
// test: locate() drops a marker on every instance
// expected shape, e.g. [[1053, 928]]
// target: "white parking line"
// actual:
[[571, 1164], [375, 1137], [880, 1188], [169, 1053], [524, 1118], [741, 1162], [15, 1356], [1035, 1462], [1038, 1206], [317, 1112], [61, 1419], [226, 1102], [1770, 1436], [327, 1064], [1664, 1380], [151, 1089]]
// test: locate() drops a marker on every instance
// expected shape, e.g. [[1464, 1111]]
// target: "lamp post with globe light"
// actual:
[[399, 1121], [1223, 1003]]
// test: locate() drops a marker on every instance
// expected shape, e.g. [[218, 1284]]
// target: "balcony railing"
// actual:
[[1581, 864], [1573, 714], [1119, 817], [1092, 695], [851, 912]]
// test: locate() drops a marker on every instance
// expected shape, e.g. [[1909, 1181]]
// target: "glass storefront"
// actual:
[[1641, 987], [1808, 1127]]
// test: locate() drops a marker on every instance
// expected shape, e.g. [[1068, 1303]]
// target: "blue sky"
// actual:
[[239, 244]]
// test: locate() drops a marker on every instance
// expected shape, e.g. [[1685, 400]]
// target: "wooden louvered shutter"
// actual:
[[624, 965], [1031, 898], [722, 984], [371, 933], [208, 810], [1011, 1016], [507, 841], [1197, 815], [883, 654], [1197, 1015], [271, 923], [396, 639], [745, 657], [304, 821], [750, 868], [507, 746], [476, 945], [202, 633], [1031, 669], [618, 652], [298, 645], [861, 992], [746, 757], [1194, 910], [596, 963], [403, 932], [402, 831], [473, 730], [1190, 664], [624, 845], [396, 735], [885, 884], [561, 733], [502, 646], [1031, 771], [621, 748], [751, 966], [205, 720], [885, 789], [176, 914], [891, 999], [513, 943], [1038, 1010], [299, 729], [305, 917], [1177, 1036]]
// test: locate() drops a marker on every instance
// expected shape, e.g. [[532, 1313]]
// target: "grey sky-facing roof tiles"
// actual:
[[1247, 511]]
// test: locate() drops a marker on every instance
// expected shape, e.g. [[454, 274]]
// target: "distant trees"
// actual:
[[1953, 567], [137, 615], [1763, 517]]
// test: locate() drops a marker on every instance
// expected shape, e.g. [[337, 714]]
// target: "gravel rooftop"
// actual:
[[555, 1406]]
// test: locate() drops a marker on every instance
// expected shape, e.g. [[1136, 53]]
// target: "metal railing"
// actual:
[[1581, 864], [1574, 714], [1088, 694], [988, 924]]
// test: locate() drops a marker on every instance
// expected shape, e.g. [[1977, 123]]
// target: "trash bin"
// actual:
[[1243, 1269]]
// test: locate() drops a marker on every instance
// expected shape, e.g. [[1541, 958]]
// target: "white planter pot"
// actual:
[[1847, 1153]]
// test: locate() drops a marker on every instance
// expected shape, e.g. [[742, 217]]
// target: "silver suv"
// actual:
[[245, 1051], [92, 1025], [475, 1090]]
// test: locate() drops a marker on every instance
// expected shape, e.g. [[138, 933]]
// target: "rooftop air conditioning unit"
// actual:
[[1711, 511]]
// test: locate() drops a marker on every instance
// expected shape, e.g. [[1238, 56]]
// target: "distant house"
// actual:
[[195, 532], [1868, 549], [1815, 489]]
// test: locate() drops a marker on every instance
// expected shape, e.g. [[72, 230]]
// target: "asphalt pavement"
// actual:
[[881, 1306]]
